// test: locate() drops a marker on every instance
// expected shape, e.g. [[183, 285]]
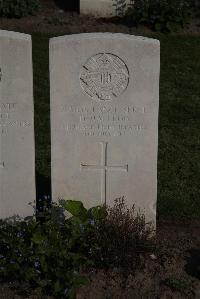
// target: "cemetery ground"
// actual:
[[174, 271]]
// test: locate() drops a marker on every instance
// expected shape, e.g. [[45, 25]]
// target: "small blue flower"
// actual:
[[37, 265], [20, 234], [92, 222]]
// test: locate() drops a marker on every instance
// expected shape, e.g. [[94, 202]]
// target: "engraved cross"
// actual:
[[104, 168]]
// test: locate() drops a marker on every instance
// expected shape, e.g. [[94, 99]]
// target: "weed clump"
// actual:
[[123, 238], [53, 255]]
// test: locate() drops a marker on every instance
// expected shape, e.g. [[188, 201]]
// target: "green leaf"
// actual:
[[172, 26], [158, 27], [72, 294], [37, 238], [98, 213], [74, 207], [57, 287], [80, 280]]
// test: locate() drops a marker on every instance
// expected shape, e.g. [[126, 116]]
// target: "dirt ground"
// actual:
[[173, 272], [51, 19]]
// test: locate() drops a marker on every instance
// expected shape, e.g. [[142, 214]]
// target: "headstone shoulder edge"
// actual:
[[15, 35], [107, 35]]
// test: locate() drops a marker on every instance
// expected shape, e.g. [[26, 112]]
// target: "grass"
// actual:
[[179, 138], [179, 123]]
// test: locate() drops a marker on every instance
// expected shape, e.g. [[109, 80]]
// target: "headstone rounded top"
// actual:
[[106, 35], [14, 35]]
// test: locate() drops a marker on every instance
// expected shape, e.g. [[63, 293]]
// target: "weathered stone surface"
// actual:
[[103, 8], [104, 119], [17, 174]]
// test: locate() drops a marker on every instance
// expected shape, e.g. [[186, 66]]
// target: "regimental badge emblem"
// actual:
[[104, 77]]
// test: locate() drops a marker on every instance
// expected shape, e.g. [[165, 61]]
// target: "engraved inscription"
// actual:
[[8, 115], [104, 76], [104, 168], [107, 120]]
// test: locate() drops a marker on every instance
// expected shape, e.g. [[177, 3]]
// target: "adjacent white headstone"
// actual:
[[103, 8], [17, 175], [104, 119]]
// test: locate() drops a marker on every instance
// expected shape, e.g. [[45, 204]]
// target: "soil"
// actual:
[[52, 19], [172, 272]]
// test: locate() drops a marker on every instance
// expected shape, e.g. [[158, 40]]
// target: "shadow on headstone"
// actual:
[[68, 5], [43, 192]]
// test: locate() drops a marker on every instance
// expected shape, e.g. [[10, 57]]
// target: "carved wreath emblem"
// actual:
[[104, 76]]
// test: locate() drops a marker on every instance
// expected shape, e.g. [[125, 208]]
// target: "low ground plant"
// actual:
[[160, 15], [120, 7], [122, 239], [18, 8], [178, 284], [53, 253]]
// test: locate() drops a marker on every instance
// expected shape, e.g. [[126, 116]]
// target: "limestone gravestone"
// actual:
[[103, 8], [104, 119], [17, 177]]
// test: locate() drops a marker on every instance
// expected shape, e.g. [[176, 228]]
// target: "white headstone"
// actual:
[[17, 174], [103, 8], [104, 119]]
